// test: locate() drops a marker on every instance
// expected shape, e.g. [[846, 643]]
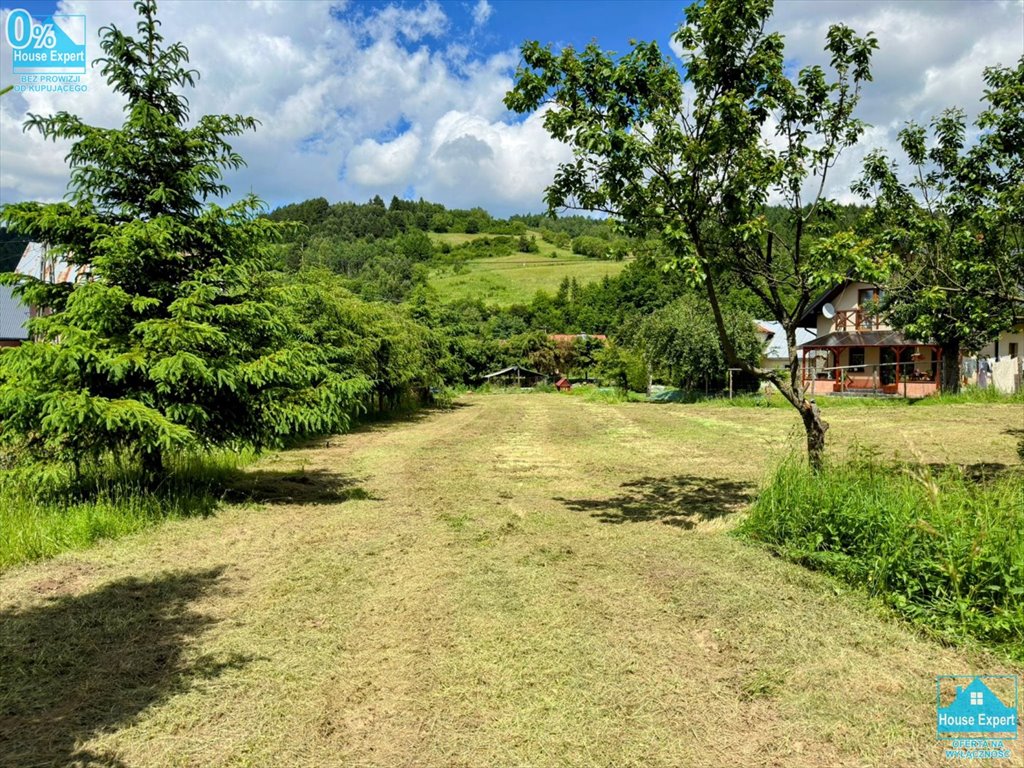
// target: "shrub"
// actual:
[[940, 549]]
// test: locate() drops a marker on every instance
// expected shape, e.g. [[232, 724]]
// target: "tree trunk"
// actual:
[[950, 379], [152, 466], [815, 429]]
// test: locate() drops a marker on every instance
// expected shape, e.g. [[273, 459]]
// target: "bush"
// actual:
[[939, 548], [591, 247]]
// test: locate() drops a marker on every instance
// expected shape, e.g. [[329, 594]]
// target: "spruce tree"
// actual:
[[173, 339]]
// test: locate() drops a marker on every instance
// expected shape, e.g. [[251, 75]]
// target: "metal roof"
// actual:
[[777, 348], [13, 315], [862, 339], [517, 368]]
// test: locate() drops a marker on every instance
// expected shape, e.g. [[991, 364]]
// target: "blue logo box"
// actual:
[[973, 708], [52, 44]]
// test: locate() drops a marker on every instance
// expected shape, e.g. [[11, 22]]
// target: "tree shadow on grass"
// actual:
[[305, 486], [82, 665], [682, 500], [980, 472]]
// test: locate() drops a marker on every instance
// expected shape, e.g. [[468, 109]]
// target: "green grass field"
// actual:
[[516, 278], [525, 580]]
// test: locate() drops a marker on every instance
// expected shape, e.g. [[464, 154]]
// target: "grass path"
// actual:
[[525, 581]]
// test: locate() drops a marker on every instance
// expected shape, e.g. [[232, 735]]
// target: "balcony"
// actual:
[[855, 320]]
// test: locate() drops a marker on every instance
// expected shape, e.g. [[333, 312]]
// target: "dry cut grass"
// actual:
[[527, 580]]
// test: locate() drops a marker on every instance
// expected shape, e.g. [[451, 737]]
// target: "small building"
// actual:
[[776, 349], [855, 351], [13, 316], [563, 385], [38, 261], [515, 376]]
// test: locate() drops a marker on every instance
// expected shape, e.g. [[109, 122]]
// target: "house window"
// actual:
[[1014, 349], [867, 300], [856, 358], [977, 699]]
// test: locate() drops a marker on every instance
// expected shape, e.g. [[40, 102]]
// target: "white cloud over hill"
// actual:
[[356, 100]]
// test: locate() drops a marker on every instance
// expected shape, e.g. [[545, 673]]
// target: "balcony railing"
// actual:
[[855, 320]]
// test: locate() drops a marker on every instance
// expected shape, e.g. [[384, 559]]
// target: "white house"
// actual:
[[38, 261], [854, 350]]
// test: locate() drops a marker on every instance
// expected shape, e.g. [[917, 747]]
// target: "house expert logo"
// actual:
[[978, 715], [53, 45]]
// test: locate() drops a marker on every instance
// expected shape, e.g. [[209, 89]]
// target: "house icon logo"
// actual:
[[984, 705]]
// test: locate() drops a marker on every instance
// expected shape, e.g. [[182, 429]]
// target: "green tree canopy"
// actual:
[[680, 343], [952, 226], [173, 338], [684, 155]]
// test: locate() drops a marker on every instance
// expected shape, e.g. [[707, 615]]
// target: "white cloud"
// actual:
[[356, 100], [428, 20], [514, 162], [482, 12], [374, 165]]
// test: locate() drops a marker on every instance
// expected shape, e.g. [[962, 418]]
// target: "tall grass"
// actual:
[[940, 549], [969, 395], [45, 511]]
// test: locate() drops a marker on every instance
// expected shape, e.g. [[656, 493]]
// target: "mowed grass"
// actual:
[[461, 238], [515, 279], [527, 580]]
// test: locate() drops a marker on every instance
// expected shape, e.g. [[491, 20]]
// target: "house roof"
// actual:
[[513, 368], [777, 348], [810, 317], [13, 315], [44, 264], [861, 339]]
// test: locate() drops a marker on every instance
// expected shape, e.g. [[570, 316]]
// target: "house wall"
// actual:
[[840, 358], [846, 300], [1013, 336], [13, 316]]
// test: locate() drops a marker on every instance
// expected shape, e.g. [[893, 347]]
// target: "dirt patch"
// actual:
[[65, 578]]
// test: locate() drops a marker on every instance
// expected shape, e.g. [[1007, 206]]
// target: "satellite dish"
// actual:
[[828, 311]]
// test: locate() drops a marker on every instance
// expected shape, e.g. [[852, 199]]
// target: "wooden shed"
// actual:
[[515, 376], [563, 385]]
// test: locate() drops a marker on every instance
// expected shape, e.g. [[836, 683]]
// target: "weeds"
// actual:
[[44, 511], [943, 551], [969, 395]]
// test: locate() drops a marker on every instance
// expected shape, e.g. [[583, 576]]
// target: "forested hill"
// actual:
[[450, 270], [374, 219], [385, 252]]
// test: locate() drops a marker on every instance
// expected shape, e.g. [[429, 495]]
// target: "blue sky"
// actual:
[[364, 98]]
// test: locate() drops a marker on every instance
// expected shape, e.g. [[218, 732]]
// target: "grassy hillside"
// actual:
[[505, 280]]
